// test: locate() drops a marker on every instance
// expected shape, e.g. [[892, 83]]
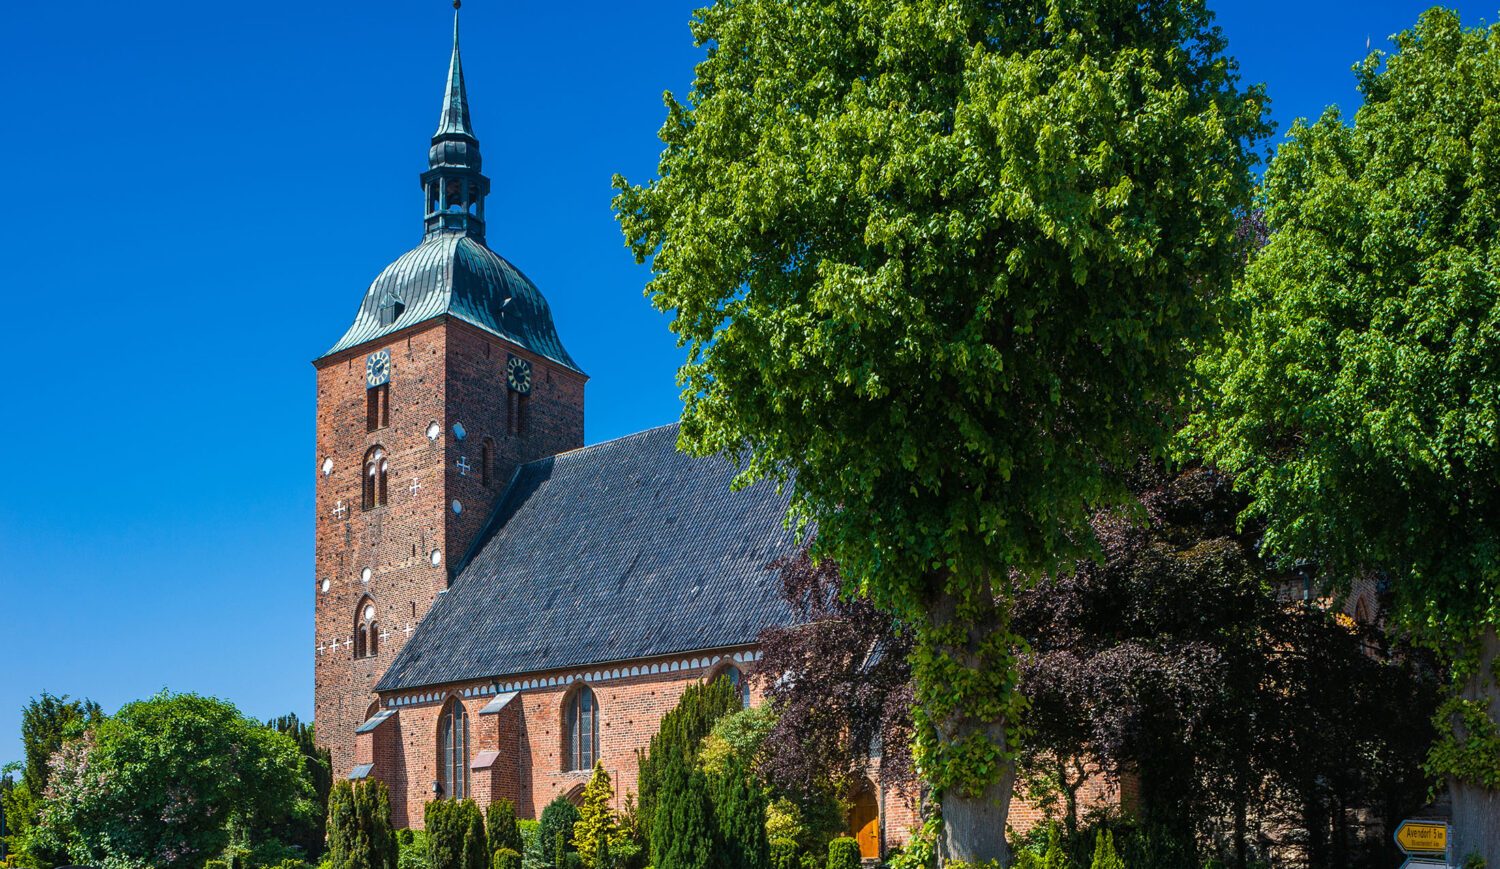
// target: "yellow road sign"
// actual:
[[1425, 837]]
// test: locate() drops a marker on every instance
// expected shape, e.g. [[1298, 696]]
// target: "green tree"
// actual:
[[47, 722], [310, 831], [455, 835], [1105, 855], [938, 266], [739, 807], [359, 827], [558, 818], [1358, 397], [682, 828], [681, 736], [163, 782], [596, 820], [504, 831]]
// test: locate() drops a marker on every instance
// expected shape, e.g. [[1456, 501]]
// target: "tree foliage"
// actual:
[[680, 738], [455, 835], [558, 819], [936, 266], [682, 826], [502, 827], [739, 805], [1360, 399], [161, 783], [359, 826], [597, 826], [308, 831]]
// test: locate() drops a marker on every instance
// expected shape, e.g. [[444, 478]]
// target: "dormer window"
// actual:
[[390, 312]]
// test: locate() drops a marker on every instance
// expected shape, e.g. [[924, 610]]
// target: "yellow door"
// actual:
[[864, 824]]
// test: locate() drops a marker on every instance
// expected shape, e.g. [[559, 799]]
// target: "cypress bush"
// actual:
[[504, 831], [784, 855], [739, 807], [843, 853], [505, 858], [682, 731], [359, 826], [682, 828], [558, 817], [1105, 855], [596, 821], [455, 835]]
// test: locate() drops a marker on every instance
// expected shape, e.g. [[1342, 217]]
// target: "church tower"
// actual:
[[449, 378]]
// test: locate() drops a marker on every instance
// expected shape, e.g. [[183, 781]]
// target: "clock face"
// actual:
[[378, 369], [518, 374]]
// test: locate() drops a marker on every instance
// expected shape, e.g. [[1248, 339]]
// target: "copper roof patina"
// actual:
[[453, 272]]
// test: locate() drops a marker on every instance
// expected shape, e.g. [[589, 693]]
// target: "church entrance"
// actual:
[[864, 822]]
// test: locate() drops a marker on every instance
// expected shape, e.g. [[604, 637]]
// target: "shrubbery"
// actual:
[[455, 835], [359, 826], [843, 853]]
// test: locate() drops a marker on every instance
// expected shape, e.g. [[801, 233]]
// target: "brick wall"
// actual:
[[443, 372]]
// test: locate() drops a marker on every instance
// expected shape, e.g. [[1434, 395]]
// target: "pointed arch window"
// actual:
[[580, 730], [376, 468], [740, 683], [366, 630], [453, 751]]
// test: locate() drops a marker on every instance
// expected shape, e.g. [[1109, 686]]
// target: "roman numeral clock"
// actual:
[[378, 369], [518, 375]]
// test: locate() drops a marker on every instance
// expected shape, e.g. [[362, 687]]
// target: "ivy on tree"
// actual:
[[1359, 391], [937, 266]]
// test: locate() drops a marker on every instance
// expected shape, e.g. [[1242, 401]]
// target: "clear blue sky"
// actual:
[[196, 196]]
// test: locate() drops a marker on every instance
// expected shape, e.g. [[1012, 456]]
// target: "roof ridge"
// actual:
[[611, 442]]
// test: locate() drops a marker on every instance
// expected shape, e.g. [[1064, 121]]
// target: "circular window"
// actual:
[[458, 431], [364, 575], [434, 431], [457, 507], [369, 613], [327, 467], [324, 585], [437, 557]]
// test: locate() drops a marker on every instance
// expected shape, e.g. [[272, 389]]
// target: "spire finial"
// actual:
[[455, 117]]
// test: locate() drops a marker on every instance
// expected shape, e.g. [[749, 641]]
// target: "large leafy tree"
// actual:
[[163, 781], [938, 264], [1360, 397]]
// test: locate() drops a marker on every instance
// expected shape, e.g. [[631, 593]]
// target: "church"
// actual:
[[497, 606]]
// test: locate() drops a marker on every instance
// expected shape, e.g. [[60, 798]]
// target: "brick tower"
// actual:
[[451, 376]]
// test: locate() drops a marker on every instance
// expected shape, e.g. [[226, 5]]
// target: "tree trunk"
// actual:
[[973, 826], [1476, 810]]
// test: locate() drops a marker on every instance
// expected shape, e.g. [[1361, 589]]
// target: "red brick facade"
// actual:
[[443, 373]]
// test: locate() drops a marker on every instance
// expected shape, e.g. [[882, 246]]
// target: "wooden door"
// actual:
[[864, 824]]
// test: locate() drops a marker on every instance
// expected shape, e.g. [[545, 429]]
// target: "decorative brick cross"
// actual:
[[408, 629], [415, 485], [385, 635], [463, 466], [339, 509]]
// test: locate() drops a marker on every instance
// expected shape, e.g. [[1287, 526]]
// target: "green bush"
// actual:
[[528, 829], [811, 861], [541, 850], [843, 853], [455, 835], [628, 855], [413, 850], [216, 864], [1105, 855], [784, 854], [504, 833], [506, 858], [359, 826]]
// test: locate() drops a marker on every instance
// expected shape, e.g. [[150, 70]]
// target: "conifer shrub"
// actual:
[[739, 806], [785, 854], [505, 858], [504, 831], [843, 853], [558, 817], [1105, 855], [455, 835], [682, 732], [597, 830], [359, 826], [682, 829], [412, 850]]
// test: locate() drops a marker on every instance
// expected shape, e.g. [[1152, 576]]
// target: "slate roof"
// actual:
[[623, 550], [451, 273]]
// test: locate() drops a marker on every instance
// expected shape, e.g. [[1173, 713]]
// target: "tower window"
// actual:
[[453, 751], [366, 630], [518, 412], [376, 471], [378, 407], [390, 312], [487, 461], [581, 730]]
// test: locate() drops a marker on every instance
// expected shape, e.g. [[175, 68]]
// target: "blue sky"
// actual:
[[197, 195]]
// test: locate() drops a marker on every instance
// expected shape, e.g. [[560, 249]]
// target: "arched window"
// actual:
[[453, 751], [736, 679], [580, 730], [366, 630], [487, 461], [376, 467]]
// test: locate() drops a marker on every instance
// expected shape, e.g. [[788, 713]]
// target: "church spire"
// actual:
[[455, 117], [453, 187]]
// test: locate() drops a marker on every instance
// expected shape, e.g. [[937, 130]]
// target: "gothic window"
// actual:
[[453, 751], [374, 488], [738, 681], [518, 412], [378, 407], [366, 630], [580, 730], [487, 461]]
